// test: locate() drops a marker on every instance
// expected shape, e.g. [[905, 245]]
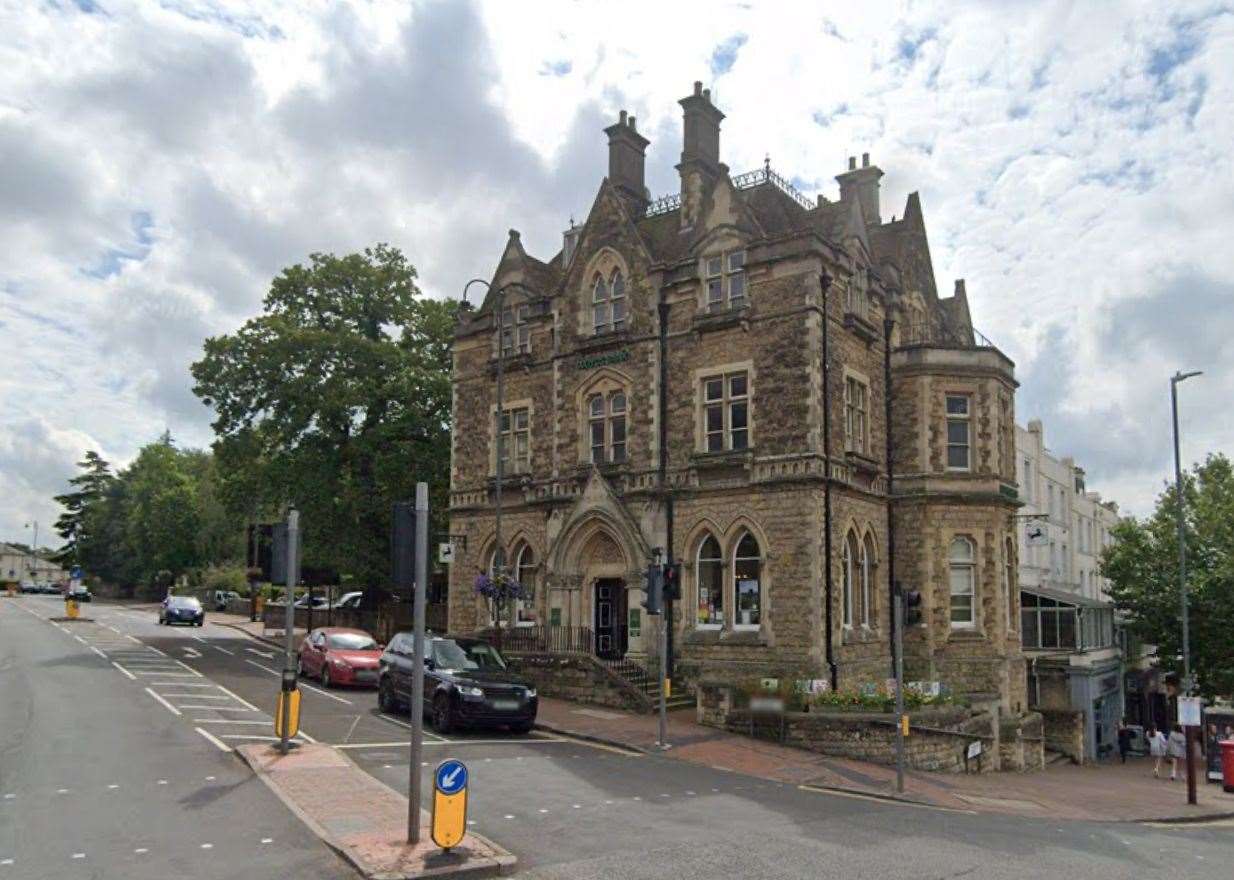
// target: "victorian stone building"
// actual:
[[708, 374]]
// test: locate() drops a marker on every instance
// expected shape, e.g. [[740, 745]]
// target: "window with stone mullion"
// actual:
[[726, 412], [608, 303]]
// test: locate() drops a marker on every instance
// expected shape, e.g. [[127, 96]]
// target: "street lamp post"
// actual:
[[499, 294], [1188, 683], [34, 552]]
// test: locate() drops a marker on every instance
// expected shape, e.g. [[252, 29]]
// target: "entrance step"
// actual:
[[1053, 757]]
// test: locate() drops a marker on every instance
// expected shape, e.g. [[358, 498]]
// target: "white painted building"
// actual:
[[21, 565]]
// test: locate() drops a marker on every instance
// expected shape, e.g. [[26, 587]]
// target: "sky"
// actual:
[[161, 161]]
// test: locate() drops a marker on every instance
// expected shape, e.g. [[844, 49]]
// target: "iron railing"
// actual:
[[548, 639], [749, 179], [942, 336]]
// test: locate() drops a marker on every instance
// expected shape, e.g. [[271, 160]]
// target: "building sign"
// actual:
[[603, 360]]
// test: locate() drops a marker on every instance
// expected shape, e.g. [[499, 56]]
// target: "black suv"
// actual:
[[466, 684]]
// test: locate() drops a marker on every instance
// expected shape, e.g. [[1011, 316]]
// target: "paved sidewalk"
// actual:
[[363, 819], [256, 629], [1106, 792]]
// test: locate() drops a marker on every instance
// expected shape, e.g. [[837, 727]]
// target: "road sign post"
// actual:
[[417, 666], [449, 803], [901, 719], [289, 669]]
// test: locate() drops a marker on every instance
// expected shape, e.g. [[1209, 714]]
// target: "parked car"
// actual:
[[222, 597], [338, 655], [467, 683], [349, 600], [318, 602], [29, 587], [81, 593], [182, 609]]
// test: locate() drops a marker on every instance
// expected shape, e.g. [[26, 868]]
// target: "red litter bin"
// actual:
[[1227, 765]]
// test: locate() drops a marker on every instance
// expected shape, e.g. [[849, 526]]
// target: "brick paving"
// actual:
[[362, 818], [1105, 792]]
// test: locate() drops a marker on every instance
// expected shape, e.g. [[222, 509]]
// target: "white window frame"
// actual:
[[847, 578], [608, 297], [718, 559], [524, 605], [966, 567], [727, 404], [966, 419], [515, 331], [724, 281], [762, 611], [508, 424], [867, 581], [856, 414], [612, 412]]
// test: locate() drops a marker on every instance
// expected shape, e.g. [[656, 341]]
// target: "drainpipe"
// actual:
[[891, 522], [824, 281], [664, 487]]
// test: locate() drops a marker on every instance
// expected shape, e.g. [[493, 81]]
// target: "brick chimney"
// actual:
[[700, 164], [862, 184], [626, 156]]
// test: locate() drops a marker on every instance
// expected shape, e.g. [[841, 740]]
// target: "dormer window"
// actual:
[[608, 303], [515, 334], [857, 299], [726, 281]]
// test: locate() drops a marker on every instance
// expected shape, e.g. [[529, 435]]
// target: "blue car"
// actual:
[[182, 609]]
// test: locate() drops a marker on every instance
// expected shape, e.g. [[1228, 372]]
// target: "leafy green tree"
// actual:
[[337, 399], [1142, 566], [161, 515], [89, 488]]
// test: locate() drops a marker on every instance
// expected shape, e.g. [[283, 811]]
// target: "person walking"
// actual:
[[1124, 741], [1177, 749], [1157, 748]]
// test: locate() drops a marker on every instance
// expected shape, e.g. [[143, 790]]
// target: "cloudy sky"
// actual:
[[160, 161]]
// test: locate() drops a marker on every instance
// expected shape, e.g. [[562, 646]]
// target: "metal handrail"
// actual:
[[927, 333], [757, 177]]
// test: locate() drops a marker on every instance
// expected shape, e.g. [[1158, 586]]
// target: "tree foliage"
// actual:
[[1142, 566], [335, 399], [81, 546]]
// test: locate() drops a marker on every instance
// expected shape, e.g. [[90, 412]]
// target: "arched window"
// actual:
[[747, 583], [848, 564], [607, 427], [525, 574], [867, 583], [1009, 584], [963, 583], [710, 584], [608, 303]]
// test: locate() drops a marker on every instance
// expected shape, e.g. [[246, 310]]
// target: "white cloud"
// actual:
[[1075, 169]]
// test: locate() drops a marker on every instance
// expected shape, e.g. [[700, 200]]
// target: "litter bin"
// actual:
[[1227, 765]]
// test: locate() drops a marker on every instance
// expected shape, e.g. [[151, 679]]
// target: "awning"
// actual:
[[1066, 597]]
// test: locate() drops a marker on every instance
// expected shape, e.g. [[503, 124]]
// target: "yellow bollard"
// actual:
[[70, 608]]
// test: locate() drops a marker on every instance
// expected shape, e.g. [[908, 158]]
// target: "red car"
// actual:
[[340, 656]]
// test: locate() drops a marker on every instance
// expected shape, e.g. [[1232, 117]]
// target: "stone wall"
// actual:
[[1063, 730], [1021, 745], [577, 677]]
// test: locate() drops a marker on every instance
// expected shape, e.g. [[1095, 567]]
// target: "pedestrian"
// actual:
[[1124, 740], [1177, 748], [1157, 748]]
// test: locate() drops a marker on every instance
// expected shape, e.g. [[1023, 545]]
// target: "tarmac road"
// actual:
[[573, 810]]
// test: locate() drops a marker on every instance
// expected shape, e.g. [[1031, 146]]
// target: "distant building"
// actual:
[[22, 565], [1067, 624]]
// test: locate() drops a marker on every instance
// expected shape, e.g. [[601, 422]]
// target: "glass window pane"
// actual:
[[618, 403], [619, 285], [961, 549], [599, 316], [957, 456], [520, 419], [619, 451], [710, 587], [597, 406], [597, 434], [1066, 628], [715, 418], [619, 429], [737, 286], [741, 439], [736, 260], [957, 406], [961, 609], [713, 389], [505, 421], [737, 385], [715, 292], [599, 292], [715, 442], [714, 266], [957, 432], [961, 580], [738, 415], [748, 548]]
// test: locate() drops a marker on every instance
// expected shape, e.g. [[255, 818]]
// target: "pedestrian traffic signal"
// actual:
[[403, 547], [279, 562], [672, 580], [912, 607], [654, 588]]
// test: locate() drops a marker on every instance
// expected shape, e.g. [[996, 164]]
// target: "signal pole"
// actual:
[[898, 612], [417, 664], [289, 669], [1188, 683]]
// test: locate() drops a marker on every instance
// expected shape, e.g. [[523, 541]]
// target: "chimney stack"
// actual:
[[626, 158], [862, 184], [700, 145]]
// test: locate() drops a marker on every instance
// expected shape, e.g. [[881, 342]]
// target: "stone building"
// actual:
[[706, 373]]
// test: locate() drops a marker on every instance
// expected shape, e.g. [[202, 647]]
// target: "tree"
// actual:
[[89, 489], [161, 513], [1142, 566], [337, 399]]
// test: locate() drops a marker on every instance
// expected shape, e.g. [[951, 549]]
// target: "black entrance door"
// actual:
[[610, 619]]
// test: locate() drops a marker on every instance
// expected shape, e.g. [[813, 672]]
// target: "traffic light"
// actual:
[[259, 547], [403, 548], [654, 587], [912, 607], [672, 580], [278, 555]]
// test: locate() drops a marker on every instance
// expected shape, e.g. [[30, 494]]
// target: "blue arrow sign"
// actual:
[[75, 574], [451, 777]]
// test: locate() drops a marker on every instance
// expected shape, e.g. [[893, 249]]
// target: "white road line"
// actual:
[[155, 650], [229, 721], [140, 850], [199, 638], [198, 696], [267, 840], [237, 698], [224, 650], [214, 708], [170, 708], [267, 654], [214, 739], [97, 651], [393, 720], [489, 742], [387, 745], [171, 674], [189, 668], [302, 684], [256, 736], [304, 736], [125, 671], [80, 639], [132, 638], [184, 684]]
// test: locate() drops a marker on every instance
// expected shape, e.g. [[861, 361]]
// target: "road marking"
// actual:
[[216, 708], [386, 745], [267, 840], [269, 655], [218, 742], [199, 638], [198, 696], [304, 736], [191, 653], [489, 742], [228, 721], [113, 786], [62, 791], [132, 638], [170, 708], [301, 684], [162, 782], [256, 736], [97, 651], [186, 666], [79, 855], [80, 639], [6, 861], [10, 796], [544, 811], [140, 850], [224, 650], [207, 846], [183, 684], [238, 699], [171, 674], [508, 816], [125, 671]]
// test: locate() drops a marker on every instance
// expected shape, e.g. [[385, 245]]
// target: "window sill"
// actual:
[[522, 360], [861, 327], [726, 458], [861, 461], [602, 341], [742, 636], [718, 318]]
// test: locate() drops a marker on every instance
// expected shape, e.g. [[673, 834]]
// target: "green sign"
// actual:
[[636, 622], [554, 617], [602, 360]]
